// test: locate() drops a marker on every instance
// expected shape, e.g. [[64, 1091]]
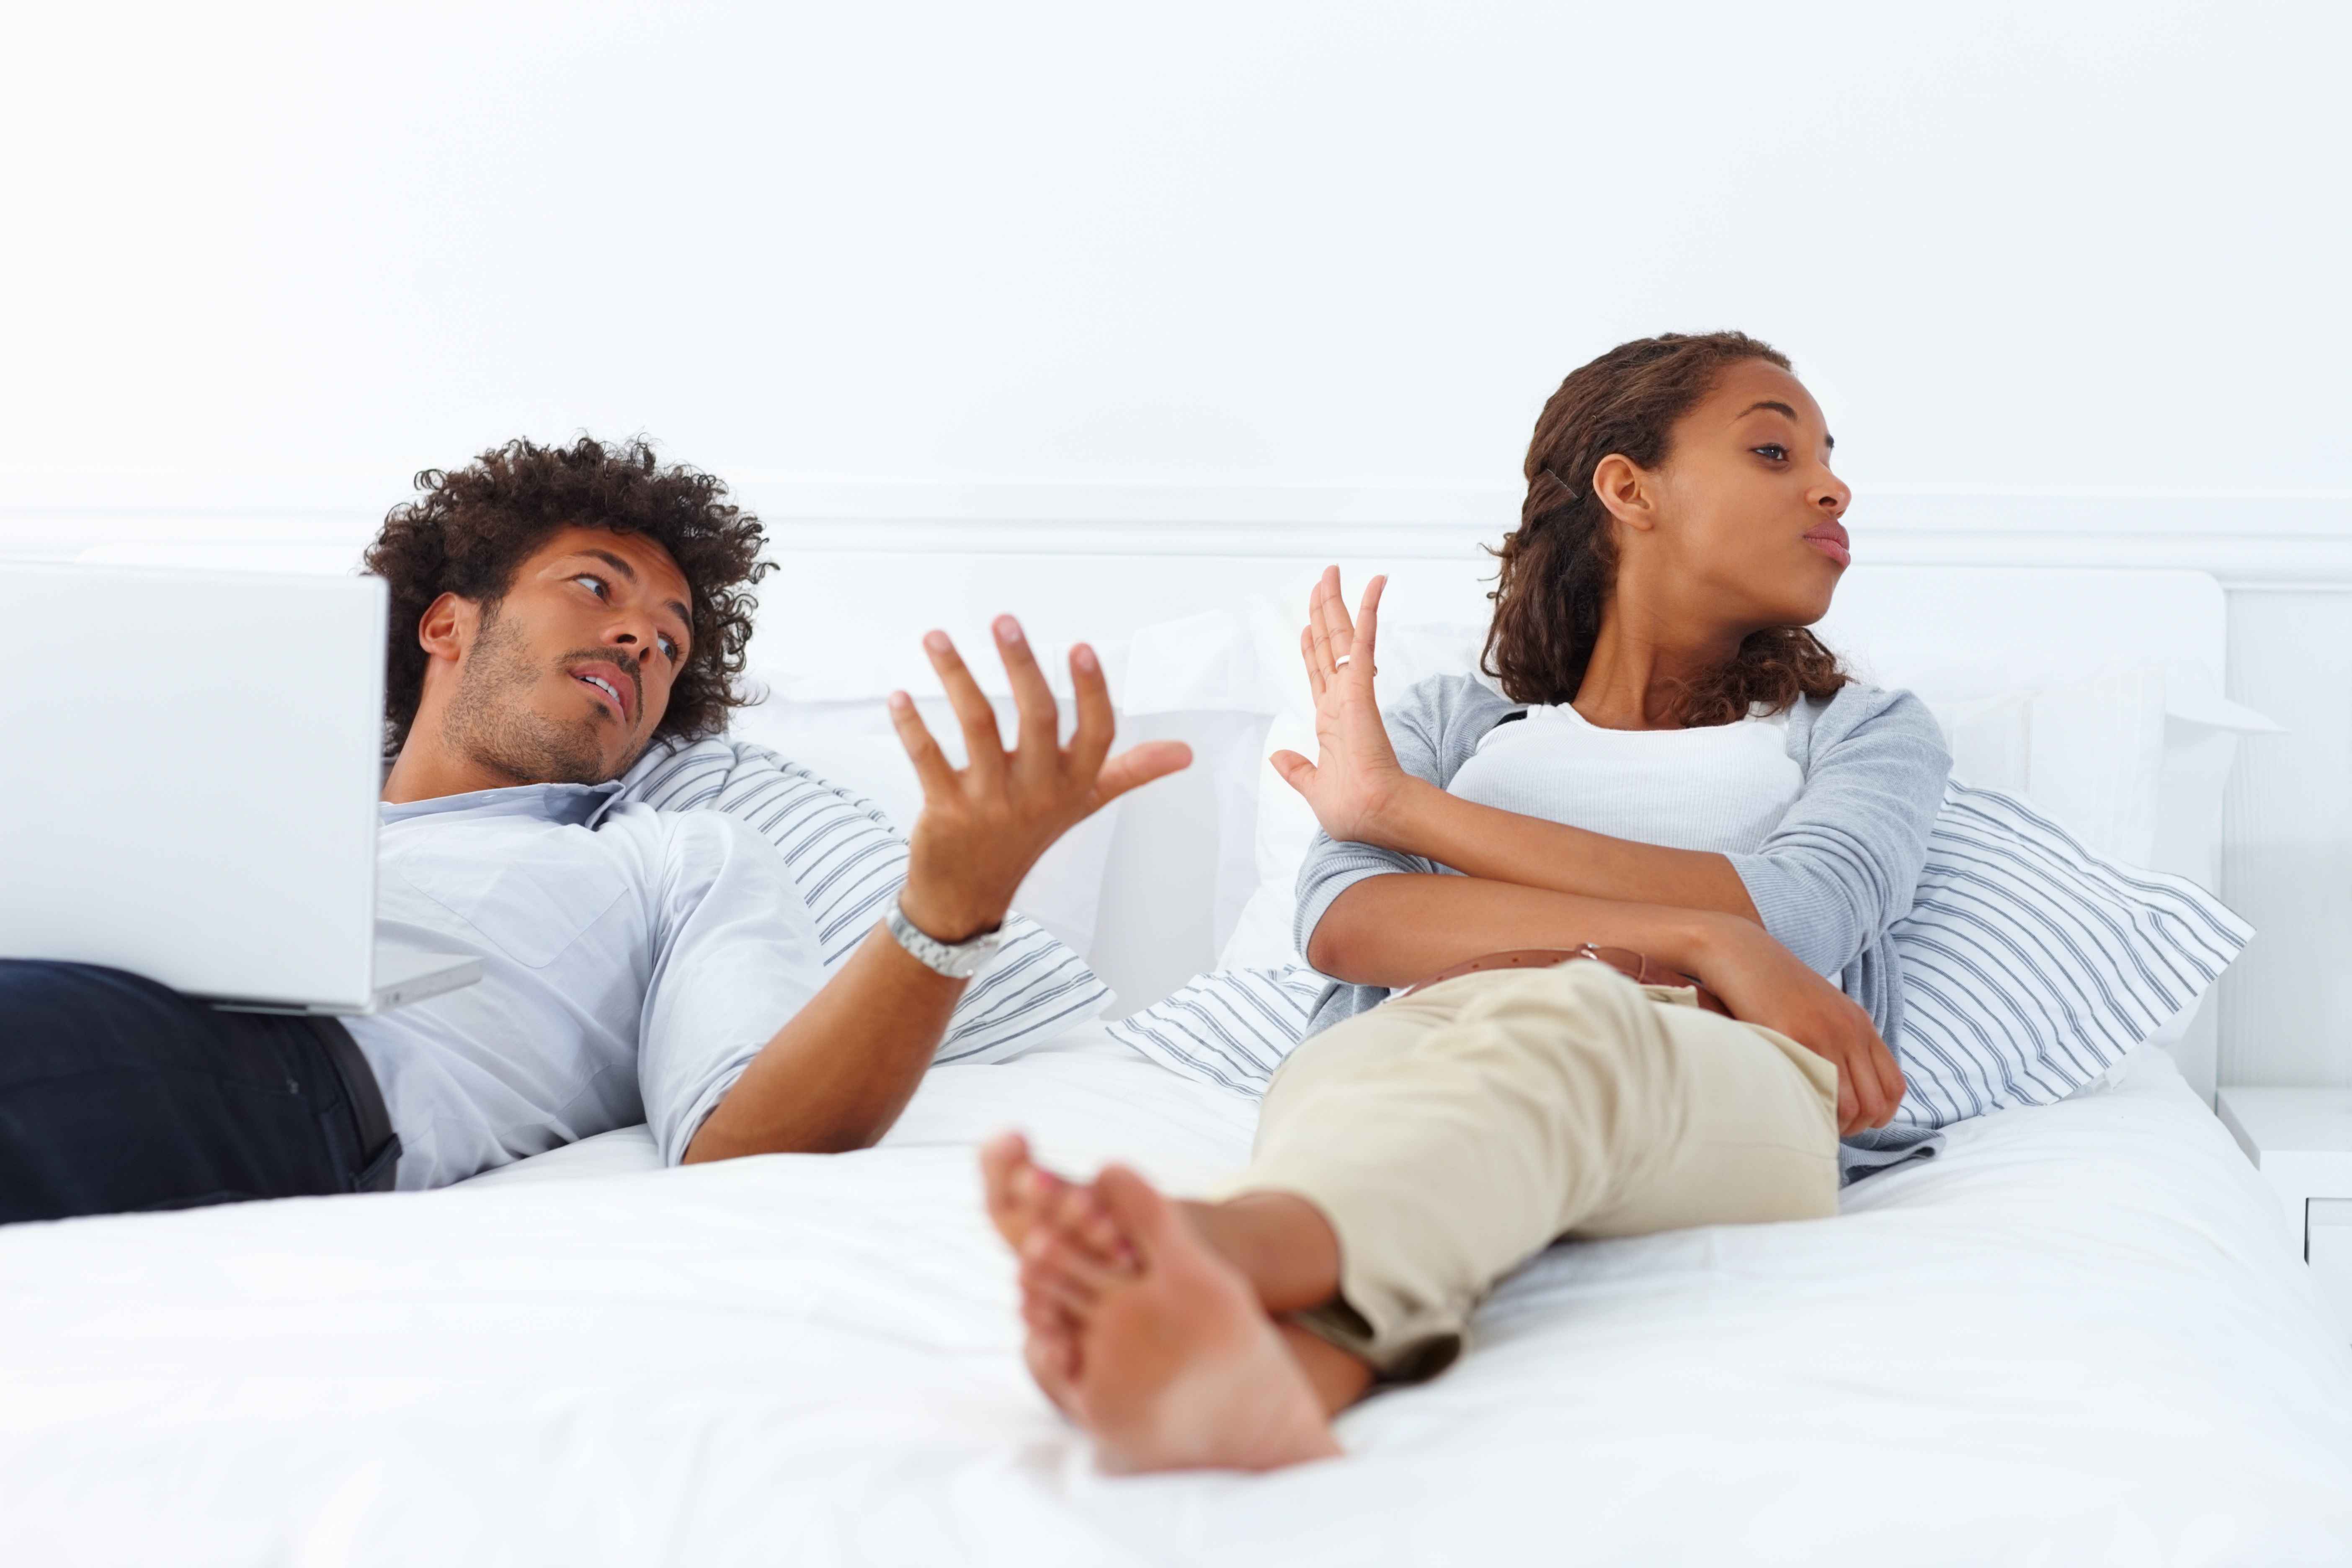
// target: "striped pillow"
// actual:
[[2031, 966], [1231, 1027], [849, 863]]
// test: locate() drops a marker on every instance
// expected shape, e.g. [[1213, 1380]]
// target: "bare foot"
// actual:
[[1050, 1348], [1025, 1201], [1175, 1364], [1020, 1193]]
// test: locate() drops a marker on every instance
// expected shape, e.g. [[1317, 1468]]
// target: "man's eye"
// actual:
[[669, 647], [591, 578]]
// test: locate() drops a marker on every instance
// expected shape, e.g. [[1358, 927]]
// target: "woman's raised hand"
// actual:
[[984, 824], [1354, 783]]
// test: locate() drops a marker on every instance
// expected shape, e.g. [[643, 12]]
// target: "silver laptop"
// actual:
[[189, 767]]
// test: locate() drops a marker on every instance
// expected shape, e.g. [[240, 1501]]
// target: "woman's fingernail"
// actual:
[[936, 641], [900, 702], [1084, 658], [1008, 631]]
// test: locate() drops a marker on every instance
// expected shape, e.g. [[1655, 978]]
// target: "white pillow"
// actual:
[[831, 718], [848, 863], [2088, 753], [853, 741], [1285, 826], [2091, 753]]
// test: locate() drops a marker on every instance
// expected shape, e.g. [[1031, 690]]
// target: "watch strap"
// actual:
[[956, 960]]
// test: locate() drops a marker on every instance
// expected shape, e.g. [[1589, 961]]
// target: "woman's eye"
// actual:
[[1773, 450]]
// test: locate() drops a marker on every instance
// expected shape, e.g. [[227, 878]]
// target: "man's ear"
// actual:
[[1627, 491], [447, 626]]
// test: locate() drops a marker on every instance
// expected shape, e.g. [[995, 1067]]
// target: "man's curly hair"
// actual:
[[474, 526]]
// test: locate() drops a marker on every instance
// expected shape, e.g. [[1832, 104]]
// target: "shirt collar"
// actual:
[[568, 804]]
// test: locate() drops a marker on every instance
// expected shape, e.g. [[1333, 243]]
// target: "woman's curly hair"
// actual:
[[474, 526], [1559, 565]]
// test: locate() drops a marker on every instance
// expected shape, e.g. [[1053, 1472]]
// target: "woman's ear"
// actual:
[[1628, 493]]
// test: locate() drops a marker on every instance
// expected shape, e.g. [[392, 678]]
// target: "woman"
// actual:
[[1675, 772]]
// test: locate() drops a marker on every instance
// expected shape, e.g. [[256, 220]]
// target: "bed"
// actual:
[[2081, 1336]]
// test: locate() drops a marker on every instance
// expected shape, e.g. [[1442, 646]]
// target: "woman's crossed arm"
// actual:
[[1362, 794]]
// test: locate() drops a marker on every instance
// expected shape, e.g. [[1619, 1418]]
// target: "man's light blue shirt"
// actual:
[[633, 961]]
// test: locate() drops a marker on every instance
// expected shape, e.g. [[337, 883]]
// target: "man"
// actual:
[[555, 611]]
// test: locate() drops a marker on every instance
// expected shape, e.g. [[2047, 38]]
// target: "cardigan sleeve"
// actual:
[[1433, 728], [1843, 863]]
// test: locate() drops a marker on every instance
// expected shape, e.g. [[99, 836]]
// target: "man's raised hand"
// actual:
[[984, 824]]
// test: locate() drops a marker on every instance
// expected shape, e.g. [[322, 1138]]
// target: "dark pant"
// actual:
[[118, 1094]]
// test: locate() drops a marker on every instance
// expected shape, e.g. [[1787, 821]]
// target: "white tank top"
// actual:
[[1723, 788]]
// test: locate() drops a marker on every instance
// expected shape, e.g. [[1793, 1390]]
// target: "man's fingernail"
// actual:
[[936, 641], [1008, 631], [1083, 656], [900, 702]]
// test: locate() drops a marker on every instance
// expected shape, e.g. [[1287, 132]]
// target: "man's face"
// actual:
[[566, 677]]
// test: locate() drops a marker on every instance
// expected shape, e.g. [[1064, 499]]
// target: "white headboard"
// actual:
[[854, 608], [845, 610], [2005, 626]]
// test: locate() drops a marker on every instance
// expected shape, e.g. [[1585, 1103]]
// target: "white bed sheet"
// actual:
[[2080, 1337]]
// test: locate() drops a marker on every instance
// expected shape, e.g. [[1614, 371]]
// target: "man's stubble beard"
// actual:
[[490, 721]]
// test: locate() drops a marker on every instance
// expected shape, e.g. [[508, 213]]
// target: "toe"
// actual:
[[1003, 1158], [1147, 1219], [1079, 1218], [1042, 1314], [1102, 1236], [1048, 1248], [1053, 1359], [1051, 1287]]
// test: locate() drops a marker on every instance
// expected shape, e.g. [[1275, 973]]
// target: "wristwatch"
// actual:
[[956, 960]]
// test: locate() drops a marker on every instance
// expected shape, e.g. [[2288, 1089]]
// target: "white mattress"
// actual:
[[2080, 1337]]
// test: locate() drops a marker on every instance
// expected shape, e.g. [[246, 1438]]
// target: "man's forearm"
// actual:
[[1398, 929], [838, 1074], [1511, 846]]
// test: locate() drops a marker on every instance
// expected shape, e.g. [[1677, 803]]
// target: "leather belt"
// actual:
[[1639, 968], [378, 1149]]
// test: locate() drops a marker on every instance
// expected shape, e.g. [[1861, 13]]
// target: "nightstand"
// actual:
[[2301, 1141]]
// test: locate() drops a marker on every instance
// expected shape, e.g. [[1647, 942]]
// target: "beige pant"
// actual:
[[1451, 1135]]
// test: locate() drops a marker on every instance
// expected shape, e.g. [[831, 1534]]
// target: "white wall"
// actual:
[[2070, 278], [294, 253]]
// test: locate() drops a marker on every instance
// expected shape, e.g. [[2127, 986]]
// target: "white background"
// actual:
[[291, 254]]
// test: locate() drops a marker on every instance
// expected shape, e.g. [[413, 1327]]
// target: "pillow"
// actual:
[[2030, 966], [2088, 753], [1231, 1028], [849, 864], [828, 715], [2098, 754], [1284, 826], [854, 740]]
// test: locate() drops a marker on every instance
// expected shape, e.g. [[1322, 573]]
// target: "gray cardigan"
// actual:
[[1829, 882]]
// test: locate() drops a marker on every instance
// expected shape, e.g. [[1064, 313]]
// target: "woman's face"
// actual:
[[1749, 512]]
